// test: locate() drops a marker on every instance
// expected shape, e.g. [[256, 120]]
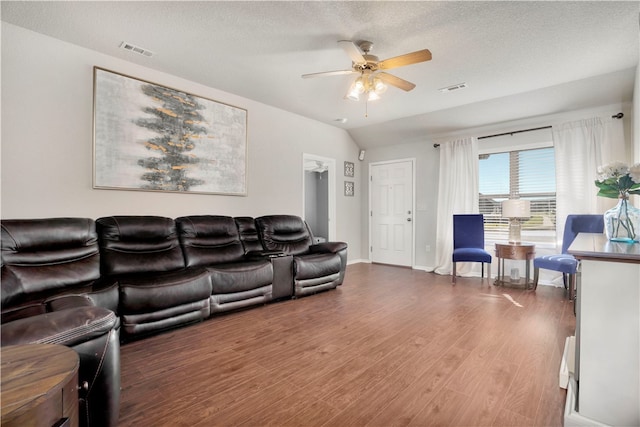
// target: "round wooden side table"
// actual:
[[39, 385], [516, 251]]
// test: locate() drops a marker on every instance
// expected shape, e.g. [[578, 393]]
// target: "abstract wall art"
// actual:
[[154, 138]]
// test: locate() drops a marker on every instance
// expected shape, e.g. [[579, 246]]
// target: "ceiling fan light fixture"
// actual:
[[353, 93], [379, 86], [354, 96], [371, 80], [373, 96]]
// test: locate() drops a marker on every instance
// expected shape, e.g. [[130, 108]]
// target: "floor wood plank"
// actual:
[[390, 347]]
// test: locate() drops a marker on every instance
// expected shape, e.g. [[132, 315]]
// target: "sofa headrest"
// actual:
[[41, 257], [246, 224], [21, 235], [138, 244], [209, 239], [207, 226], [285, 233], [136, 228], [248, 233]]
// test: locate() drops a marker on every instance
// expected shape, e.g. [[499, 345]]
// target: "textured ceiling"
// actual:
[[519, 59]]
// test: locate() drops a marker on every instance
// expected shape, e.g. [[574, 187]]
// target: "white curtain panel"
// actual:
[[457, 194], [581, 147]]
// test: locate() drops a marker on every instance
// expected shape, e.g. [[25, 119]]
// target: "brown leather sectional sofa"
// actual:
[[92, 284]]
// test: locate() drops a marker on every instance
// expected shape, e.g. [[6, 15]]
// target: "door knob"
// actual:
[[408, 219]]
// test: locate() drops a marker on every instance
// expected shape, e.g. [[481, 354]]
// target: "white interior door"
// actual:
[[392, 212]]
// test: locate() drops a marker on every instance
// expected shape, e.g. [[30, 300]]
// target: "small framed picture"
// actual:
[[349, 188], [348, 168]]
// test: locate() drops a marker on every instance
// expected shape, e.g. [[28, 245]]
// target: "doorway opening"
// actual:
[[319, 175]]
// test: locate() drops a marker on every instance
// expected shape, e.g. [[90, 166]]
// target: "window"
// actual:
[[525, 174]]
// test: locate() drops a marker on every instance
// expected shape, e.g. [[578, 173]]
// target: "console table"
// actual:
[[604, 387], [517, 251], [39, 386]]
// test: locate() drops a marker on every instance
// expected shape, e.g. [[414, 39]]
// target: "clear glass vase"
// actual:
[[622, 222]]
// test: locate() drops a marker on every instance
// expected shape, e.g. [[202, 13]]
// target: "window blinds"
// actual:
[[519, 174]]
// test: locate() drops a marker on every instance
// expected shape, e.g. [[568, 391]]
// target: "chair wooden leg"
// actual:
[[489, 271], [453, 274], [572, 286], [482, 270], [536, 275]]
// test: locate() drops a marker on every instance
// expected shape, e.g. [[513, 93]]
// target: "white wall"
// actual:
[[47, 102], [427, 169], [427, 165]]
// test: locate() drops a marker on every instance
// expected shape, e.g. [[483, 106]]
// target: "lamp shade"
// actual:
[[516, 208]]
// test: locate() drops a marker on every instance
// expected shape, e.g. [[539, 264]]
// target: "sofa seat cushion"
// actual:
[[151, 292], [240, 276], [313, 266], [67, 327]]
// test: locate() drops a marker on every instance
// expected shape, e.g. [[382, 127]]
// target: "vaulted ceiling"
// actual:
[[518, 59]]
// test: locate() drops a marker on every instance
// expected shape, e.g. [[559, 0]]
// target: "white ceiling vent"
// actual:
[[453, 87], [136, 49]]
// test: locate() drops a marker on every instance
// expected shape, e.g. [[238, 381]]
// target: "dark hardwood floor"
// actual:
[[391, 346]]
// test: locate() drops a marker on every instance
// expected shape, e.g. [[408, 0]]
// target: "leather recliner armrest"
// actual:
[[67, 327], [324, 247]]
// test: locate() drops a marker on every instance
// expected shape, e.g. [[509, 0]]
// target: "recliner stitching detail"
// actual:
[[104, 352], [75, 332]]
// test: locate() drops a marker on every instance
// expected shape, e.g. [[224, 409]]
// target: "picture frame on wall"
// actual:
[[349, 169], [349, 188], [150, 137]]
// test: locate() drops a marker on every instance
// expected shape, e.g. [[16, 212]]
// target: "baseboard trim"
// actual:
[[358, 261]]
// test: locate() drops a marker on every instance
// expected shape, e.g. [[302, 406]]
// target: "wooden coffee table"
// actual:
[[39, 385]]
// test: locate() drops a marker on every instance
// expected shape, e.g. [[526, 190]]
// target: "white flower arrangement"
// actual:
[[617, 180]]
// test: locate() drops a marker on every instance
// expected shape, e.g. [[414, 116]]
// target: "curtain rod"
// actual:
[[615, 116]]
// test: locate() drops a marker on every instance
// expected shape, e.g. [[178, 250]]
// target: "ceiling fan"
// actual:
[[372, 80]]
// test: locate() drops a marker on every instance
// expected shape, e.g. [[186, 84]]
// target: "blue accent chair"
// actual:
[[468, 242], [564, 262]]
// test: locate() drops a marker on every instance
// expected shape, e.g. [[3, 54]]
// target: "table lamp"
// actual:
[[515, 210]]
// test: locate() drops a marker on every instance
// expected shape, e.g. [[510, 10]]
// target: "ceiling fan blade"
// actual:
[[353, 51], [407, 59], [329, 73], [396, 81]]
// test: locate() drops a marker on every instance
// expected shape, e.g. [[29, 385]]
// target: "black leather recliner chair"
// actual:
[[282, 263], [157, 292], [51, 294], [316, 267], [214, 242]]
